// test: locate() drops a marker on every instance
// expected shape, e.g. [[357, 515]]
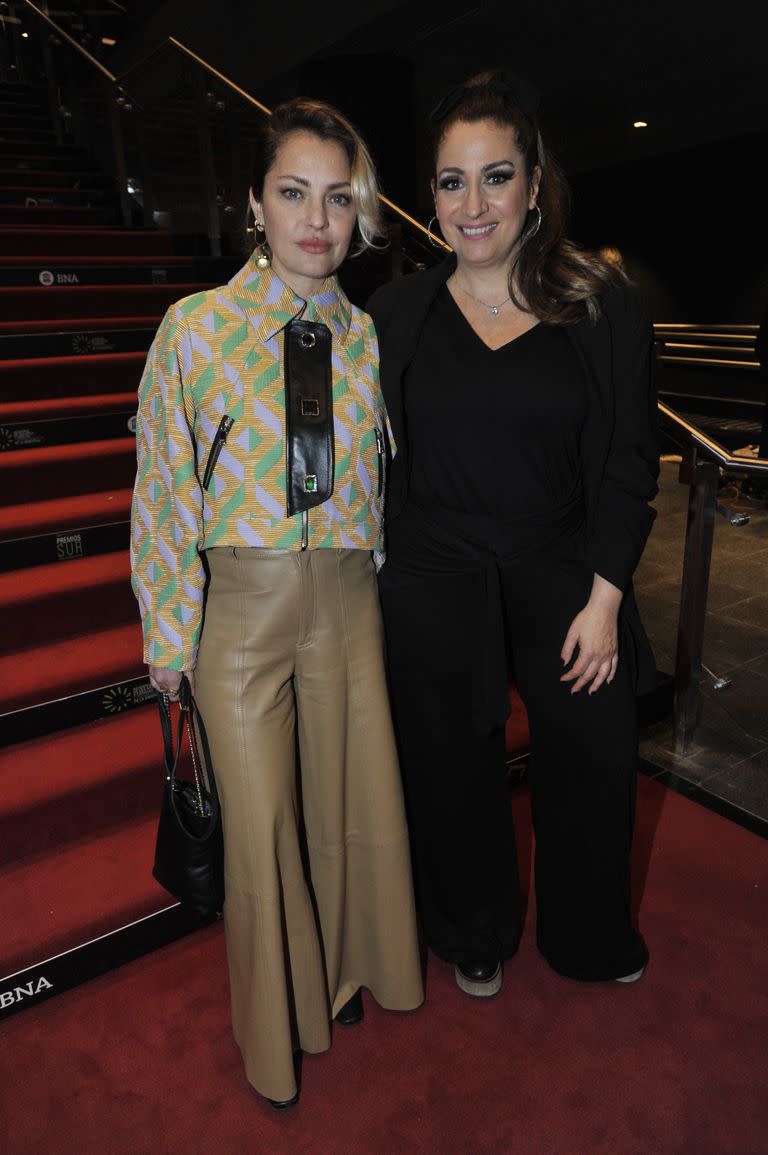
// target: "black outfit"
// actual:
[[520, 473]]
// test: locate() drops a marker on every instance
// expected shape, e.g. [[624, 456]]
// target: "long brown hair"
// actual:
[[551, 277]]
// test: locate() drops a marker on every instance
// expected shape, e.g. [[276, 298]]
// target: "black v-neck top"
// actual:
[[493, 433]]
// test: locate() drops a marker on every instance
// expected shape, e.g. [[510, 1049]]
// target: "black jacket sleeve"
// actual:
[[623, 516], [381, 305]]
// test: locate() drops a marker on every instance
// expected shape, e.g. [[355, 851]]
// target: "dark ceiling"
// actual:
[[694, 72]]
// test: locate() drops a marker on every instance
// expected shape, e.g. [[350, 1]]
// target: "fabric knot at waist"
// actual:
[[431, 542]]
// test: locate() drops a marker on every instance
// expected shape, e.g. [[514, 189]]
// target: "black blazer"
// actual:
[[619, 449]]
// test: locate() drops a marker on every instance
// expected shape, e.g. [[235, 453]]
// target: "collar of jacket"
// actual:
[[270, 304]]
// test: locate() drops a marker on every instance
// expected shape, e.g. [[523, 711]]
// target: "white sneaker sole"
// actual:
[[480, 990], [631, 978]]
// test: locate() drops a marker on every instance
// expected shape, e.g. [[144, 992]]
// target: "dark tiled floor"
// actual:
[[729, 755]]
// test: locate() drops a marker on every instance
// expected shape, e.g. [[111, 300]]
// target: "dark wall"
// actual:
[[690, 225]]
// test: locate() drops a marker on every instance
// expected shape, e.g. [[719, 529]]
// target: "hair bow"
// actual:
[[508, 84]]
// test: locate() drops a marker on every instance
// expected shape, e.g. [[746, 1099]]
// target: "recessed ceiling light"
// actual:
[[108, 40], [640, 124], [25, 36]]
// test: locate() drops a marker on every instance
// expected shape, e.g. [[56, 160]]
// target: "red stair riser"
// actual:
[[48, 409], [69, 615], [30, 475], [82, 242], [67, 666], [56, 516], [27, 304], [51, 214], [61, 820], [60, 377]]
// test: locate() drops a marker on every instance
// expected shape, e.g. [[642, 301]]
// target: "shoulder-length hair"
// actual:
[[552, 277], [326, 123]]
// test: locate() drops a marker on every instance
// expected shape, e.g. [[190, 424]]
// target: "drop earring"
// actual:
[[262, 260]]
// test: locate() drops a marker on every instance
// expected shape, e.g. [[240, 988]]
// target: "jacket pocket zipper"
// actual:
[[380, 458], [222, 433]]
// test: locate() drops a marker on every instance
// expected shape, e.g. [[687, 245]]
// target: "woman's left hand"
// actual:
[[595, 632]]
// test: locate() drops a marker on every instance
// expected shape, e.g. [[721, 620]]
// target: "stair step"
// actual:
[[12, 132], [48, 178], [84, 241], [39, 161], [95, 261], [38, 196], [66, 470], [153, 272], [58, 669], [62, 408], [53, 214], [17, 147], [86, 889], [57, 379], [58, 601], [64, 514], [39, 303], [79, 421], [61, 788], [85, 337]]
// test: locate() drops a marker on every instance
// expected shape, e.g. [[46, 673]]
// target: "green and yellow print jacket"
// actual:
[[219, 354]]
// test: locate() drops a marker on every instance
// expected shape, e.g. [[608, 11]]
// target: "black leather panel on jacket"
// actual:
[[308, 415]]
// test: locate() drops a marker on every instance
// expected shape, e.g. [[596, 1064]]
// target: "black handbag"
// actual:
[[189, 852]]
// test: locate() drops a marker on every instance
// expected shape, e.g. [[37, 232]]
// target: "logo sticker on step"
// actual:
[[46, 277], [116, 699], [69, 545]]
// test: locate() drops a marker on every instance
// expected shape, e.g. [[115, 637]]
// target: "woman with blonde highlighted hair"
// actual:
[[256, 531]]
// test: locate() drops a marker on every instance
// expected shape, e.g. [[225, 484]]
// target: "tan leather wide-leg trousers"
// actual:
[[318, 879]]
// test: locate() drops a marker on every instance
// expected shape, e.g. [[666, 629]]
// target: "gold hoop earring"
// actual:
[[434, 241]]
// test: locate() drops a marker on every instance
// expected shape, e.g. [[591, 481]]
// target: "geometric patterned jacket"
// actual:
[[217, 356]]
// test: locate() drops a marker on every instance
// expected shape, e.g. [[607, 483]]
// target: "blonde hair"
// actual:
[[326, 123]]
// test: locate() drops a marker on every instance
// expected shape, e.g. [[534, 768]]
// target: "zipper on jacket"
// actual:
[[305, 529], [222, 433], [380, 458]]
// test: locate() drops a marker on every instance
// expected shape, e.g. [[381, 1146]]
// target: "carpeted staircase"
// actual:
[[79, 302]]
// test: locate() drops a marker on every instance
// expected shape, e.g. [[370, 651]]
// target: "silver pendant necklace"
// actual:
[[494, 309]]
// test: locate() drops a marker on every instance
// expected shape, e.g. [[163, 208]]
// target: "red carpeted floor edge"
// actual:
[[141, 1062]]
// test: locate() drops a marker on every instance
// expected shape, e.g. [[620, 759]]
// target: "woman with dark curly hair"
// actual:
[[517, 376]]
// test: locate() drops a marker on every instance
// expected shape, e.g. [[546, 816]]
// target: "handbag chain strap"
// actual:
[[195, 754]]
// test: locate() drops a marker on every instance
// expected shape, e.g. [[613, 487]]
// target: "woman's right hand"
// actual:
[[168, 681]]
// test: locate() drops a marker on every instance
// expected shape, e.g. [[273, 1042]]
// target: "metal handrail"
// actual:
[[75, 44], [716, 451], [219, 75], [700, 468]]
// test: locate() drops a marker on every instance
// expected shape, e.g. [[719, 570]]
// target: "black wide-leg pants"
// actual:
[[583, 766]]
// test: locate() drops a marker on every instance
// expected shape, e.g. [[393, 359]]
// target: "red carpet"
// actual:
[[141, 1062]]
